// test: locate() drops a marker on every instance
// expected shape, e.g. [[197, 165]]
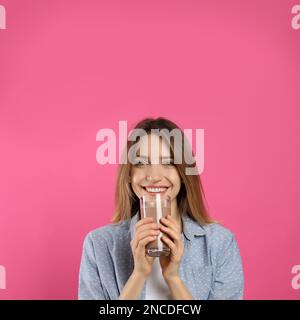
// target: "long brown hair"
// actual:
[[191, 196]]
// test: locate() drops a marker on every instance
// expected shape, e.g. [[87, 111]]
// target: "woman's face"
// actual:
[[161, 177]]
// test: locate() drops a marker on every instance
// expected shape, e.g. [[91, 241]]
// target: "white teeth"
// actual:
[[156, 189]]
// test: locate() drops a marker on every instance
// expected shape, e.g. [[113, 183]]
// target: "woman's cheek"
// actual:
[[175, 190]]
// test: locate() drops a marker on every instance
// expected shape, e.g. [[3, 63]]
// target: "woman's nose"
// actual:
[[153, 173], [153, 179]]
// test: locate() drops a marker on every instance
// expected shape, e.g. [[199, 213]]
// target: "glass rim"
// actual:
[[154, 196]]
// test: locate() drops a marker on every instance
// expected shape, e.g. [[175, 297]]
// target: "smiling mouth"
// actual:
[[154, 190]]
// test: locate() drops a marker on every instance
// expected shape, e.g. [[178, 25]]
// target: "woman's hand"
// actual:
[[145, 231], [170, 264]]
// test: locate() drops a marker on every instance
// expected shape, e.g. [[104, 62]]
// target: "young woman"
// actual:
[[204, 262]]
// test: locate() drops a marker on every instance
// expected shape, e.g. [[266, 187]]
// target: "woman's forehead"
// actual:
[[152, 144]]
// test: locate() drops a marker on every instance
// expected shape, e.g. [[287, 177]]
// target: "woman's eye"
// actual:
[[140, 164], [168, 164]]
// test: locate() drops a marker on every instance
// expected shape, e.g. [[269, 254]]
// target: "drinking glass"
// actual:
[[156, 206]]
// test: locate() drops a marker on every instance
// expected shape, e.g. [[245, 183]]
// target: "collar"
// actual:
[[190, 227]]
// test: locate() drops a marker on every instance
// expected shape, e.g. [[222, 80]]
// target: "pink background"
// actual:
[[69, 68]]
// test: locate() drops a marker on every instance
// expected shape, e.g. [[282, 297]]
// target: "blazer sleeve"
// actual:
[[90, 286], [228, 283]]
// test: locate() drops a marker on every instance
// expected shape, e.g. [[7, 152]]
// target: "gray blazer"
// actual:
[[211, 267]]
